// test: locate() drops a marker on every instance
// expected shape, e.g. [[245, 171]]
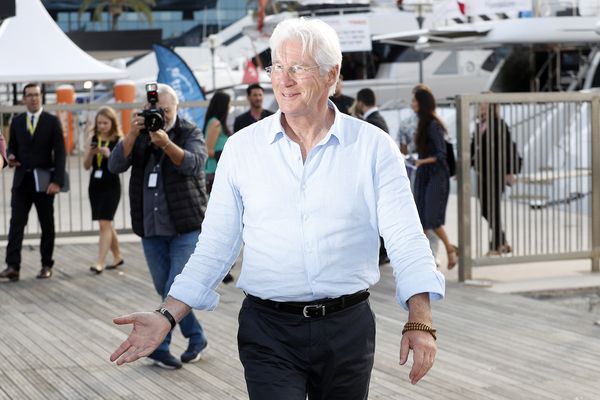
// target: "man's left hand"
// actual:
[[53, 189], [424, 350], [159, 138]]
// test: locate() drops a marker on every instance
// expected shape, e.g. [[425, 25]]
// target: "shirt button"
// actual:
[[155, 208], [155, 194], [305, 217]]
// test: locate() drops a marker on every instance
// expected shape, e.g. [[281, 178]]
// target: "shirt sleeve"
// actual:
[[117, 162], [194, 154], [407, 246], [219, 243]]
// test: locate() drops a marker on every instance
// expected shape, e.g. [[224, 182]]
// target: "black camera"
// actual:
[[154, 117]]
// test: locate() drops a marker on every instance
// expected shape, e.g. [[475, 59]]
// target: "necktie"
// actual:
[[31, 124]]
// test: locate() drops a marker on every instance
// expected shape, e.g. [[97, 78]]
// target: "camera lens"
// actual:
[[153, 120]]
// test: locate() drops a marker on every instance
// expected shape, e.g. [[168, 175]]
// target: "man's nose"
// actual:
[[286, 77]]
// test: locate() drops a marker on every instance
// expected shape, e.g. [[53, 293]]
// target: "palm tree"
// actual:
[[117, 7]]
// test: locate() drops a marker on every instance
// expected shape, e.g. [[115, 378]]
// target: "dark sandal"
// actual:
[[115, 266], [96, 270]]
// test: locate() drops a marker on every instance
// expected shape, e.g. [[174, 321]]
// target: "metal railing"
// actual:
[[552, 212], [73, 215]]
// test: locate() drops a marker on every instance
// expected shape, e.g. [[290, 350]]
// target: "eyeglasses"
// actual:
[[295, 71], [32, 95]]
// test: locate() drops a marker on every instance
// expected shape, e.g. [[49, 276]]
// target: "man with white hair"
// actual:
[[168, 198], [307, 191]]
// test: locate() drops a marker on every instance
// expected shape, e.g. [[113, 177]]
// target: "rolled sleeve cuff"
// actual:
[[196, 296], [431, 282], [188, 163]]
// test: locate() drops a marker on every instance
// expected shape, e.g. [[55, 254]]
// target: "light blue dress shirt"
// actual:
[[310, 229]]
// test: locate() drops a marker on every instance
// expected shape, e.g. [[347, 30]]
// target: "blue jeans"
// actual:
[[166, 256]]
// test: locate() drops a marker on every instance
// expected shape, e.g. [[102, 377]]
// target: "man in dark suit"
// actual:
[[255, 94], [365, 106], [36, 145]]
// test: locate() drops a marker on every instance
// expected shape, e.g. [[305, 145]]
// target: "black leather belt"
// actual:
[[316, 308]]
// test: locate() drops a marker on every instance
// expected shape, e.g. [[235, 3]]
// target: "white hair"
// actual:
[[319, 41], [164, 88]]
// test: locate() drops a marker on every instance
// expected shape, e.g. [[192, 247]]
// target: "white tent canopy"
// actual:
[[34, 48]]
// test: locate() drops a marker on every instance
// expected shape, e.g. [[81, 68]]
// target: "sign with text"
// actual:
[[484, 7], [354, 31]]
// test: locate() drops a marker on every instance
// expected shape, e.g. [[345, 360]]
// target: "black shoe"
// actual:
[[11, 273], [45, 273], [115, 266], [228, 278], [164, 359], [193, 352], [96, 270]]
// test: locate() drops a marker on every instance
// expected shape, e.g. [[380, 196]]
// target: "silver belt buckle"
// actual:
[[306, 309]]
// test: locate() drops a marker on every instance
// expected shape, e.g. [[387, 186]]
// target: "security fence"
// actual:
[[528, 164]]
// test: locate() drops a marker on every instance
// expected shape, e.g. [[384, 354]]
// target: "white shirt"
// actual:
[[36, 119], [369, 112], [310, 229]]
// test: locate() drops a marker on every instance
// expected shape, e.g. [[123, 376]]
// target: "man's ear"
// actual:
[[332, 75]]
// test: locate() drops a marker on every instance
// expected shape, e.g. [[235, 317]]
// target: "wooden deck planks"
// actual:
[[56, 337]]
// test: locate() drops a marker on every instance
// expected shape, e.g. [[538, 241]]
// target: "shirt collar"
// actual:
[[276, 132], [369, 112], [37, 114]]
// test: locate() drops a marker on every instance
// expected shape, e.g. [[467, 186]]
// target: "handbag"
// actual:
[[450, 158]]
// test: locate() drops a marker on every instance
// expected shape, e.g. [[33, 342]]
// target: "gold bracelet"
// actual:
[[419, 326], [166, 145]]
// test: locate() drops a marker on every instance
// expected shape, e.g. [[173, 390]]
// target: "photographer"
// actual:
[[168, 199]]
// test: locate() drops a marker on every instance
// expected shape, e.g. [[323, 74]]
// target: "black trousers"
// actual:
[[22, 199], [491, 202], [287, 356]]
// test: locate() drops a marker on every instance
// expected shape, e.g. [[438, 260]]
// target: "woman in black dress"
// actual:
[[105, 188], [432, 179]]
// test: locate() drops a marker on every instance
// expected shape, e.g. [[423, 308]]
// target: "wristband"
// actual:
[[166, 145], [419, 326], [168, 316]]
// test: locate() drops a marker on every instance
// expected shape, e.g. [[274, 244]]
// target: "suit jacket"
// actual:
[[45, 149], [377, 119]]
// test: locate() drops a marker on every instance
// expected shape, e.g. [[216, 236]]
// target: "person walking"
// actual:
[[36, 150], [104, 189], [495, 160], [306, 191], [432, 179], [216, 133], [255, 94], [168, 199], [406, 136]]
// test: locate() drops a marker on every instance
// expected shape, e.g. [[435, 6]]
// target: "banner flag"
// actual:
[[250, 73], [173, 71]]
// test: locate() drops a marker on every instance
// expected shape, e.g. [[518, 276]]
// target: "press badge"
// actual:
[[152, 179], [98, 174]]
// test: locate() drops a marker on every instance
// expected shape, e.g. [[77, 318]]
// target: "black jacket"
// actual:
[[186, 195], [377, 119], [45, 149]]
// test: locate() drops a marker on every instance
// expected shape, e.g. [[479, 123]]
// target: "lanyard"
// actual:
[[99, 155], [30, 126]]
